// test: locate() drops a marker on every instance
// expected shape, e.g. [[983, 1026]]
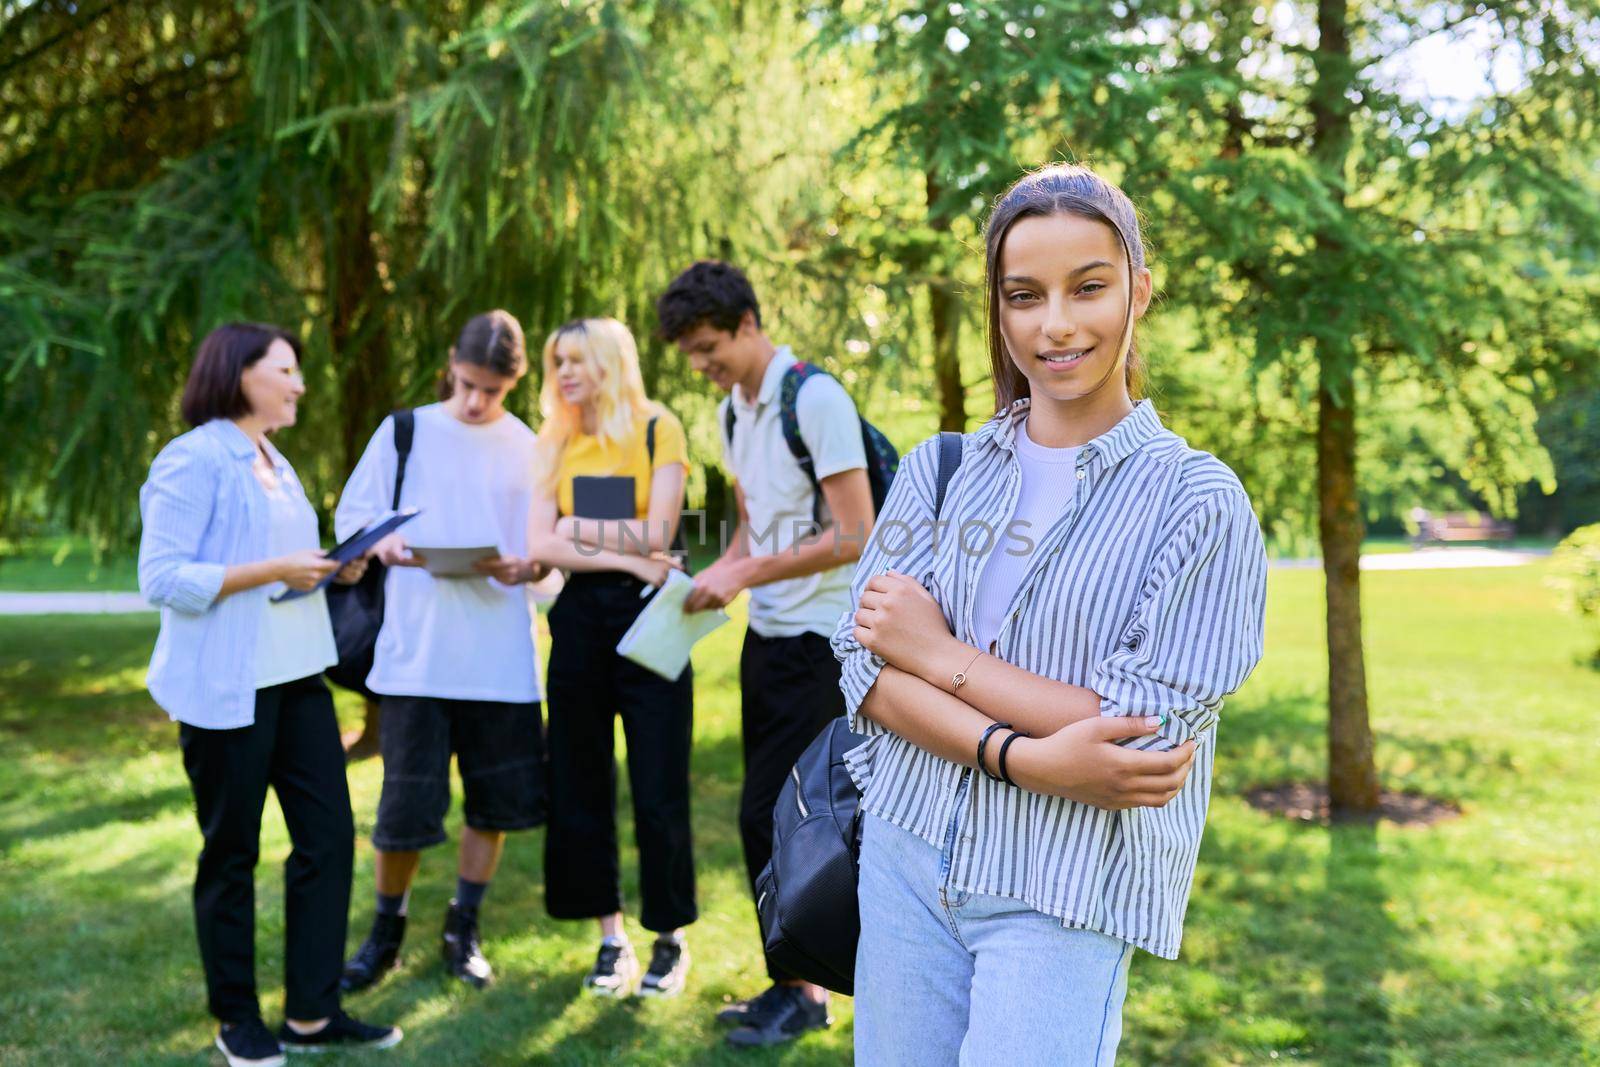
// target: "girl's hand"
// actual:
[[507, 570], [1080, 762], [302, 570], [899, 620], [352, 572], [392, 552], [653, 570]]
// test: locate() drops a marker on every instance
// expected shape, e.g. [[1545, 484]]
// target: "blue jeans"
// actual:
[[949, 977]]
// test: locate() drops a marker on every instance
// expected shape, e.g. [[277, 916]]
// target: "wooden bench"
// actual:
[[1458, 526]]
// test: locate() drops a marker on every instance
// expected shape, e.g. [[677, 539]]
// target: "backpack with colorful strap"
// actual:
[[882, 459]]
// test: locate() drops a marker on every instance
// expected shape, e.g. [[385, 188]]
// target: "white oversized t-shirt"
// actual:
[[452, 638], [779, 497]]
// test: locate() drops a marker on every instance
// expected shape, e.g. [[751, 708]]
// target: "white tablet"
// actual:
[[453, 562]]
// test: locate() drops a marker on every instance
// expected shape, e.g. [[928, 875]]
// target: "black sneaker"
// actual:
[[339, 1032], [249, 1044], [789, 1015], [616, 969], [463, 953], [669, 967], [736, 1013], [378, 955]]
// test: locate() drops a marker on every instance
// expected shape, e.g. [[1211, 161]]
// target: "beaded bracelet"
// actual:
[[983, 743]]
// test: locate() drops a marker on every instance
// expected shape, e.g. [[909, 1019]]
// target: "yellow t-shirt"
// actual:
[[588, 455]]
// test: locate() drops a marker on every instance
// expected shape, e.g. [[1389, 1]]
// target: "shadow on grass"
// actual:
[[1361, 944], [122, 809], [1282, 736], [1295, 950]]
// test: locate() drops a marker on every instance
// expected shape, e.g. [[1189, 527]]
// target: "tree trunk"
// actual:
[[1352, 772], [944, 307], [358, 332]]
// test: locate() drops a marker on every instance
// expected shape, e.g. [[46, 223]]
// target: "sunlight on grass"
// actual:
[[1470, 942]]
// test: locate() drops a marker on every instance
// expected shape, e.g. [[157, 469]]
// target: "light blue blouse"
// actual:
[[203, 511]]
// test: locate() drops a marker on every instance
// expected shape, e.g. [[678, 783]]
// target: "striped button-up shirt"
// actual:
[[202, 511], [1149, 589]]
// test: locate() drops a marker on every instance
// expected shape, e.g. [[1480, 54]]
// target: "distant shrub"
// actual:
[[1575, 573]]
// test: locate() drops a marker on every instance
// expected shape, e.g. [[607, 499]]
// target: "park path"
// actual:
[[1431, 559], [72, 604], [1422, 559]]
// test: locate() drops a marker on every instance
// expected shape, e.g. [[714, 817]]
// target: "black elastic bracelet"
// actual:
[[983, 743], [1001, 759]]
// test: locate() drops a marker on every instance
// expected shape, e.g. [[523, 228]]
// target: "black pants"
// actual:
[[293, 746], [589, 684], [789, 690]]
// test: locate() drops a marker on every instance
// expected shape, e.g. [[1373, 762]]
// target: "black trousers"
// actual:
[[588, 686], [294, 747], [789, 690]]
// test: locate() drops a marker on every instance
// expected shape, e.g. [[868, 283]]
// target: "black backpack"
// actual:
[[806, 894], [882, 459], [356, 611]]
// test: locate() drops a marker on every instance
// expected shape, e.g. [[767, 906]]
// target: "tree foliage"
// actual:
[[371, 174]]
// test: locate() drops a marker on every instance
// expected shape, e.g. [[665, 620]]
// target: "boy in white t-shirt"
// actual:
[[454, 662], [794, 550]]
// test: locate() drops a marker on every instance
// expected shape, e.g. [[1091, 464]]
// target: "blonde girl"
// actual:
[[612, 465]]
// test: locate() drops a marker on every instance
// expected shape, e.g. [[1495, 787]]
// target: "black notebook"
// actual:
[[354, 547], [609, 497]]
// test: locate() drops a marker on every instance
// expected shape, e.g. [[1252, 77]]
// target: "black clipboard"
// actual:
[[603, 497], [354, 547]]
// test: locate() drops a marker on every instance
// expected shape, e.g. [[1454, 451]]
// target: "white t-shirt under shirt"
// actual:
[[295, 638], [451, 638], [779, 497], [1048, 482]]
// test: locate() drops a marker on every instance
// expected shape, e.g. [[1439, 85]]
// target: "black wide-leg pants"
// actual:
[[588, 686], [293, 746]]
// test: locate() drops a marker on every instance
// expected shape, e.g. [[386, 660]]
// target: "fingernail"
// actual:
[[1154, 721]]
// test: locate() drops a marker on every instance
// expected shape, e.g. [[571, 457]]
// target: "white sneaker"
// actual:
[[616, 970], [669, 967]]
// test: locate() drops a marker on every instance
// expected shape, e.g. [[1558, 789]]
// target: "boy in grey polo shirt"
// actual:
[[794, 552]]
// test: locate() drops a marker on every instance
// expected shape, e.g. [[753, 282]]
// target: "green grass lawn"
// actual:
[[64, 564], [1474, 942]]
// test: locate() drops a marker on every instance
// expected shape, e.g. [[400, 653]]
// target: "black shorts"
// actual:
[[499, 750]]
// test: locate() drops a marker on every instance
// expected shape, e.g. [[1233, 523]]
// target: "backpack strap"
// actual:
[[789, 417], [405, 428], [728, 417], [949, 463], [650, 440], [789, 420]]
